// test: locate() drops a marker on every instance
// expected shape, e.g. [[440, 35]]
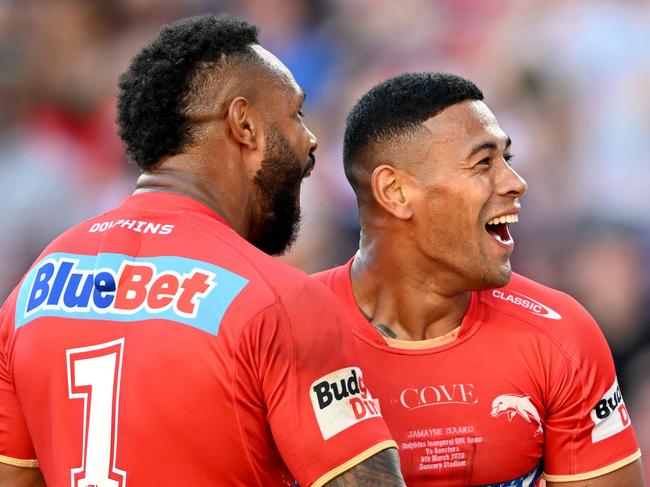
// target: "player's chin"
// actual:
[[502, 274], [278, 241], [494, 276]]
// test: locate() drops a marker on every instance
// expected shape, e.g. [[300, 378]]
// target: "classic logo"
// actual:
[[431, 395], [609, 415], [340, 399], [512, 405], [524, 301], [118, 287]]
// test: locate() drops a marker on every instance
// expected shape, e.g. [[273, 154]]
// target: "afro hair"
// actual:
[[155, 89]]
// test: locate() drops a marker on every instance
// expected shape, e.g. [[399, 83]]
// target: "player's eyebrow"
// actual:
[[488, 145]]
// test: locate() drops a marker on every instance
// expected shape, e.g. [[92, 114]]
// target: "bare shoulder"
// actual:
[[382, 469], [11, 476]]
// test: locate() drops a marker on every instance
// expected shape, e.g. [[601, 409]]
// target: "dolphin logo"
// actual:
[[512, 405]]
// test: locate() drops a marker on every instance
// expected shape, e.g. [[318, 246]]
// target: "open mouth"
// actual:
[[311, 163], [499, 228]]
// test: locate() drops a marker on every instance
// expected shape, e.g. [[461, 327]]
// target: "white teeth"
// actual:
[[503, 219], [498, 237]]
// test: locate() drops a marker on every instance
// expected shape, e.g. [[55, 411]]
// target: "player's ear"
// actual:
[[390, 191], [241, 123]]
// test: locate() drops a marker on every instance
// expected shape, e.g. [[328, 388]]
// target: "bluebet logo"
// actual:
[[119, 287]]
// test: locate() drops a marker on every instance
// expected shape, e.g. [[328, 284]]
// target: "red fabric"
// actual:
[[519, 386], [227, 401]]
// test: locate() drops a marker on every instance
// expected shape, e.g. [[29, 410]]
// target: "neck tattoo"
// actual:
[[384, 330], [381, 328]]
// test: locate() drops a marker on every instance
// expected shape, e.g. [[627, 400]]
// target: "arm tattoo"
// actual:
[[380, 470]]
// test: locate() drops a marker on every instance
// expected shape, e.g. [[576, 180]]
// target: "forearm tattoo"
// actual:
[[380, 470]]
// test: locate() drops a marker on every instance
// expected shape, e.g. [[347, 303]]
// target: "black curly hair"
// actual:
[[397, 107], [155, 91]]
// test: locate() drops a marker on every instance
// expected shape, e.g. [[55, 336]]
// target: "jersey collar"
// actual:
[[172, 202], [342, 285]]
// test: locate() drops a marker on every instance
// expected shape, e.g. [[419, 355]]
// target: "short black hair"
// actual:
[[156, 88], [397, 107]]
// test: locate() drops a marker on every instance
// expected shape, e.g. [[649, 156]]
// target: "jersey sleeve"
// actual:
[[588, 429], [15, 443], [322, 417]]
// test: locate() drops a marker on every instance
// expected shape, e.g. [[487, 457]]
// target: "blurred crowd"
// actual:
[[569, 82]]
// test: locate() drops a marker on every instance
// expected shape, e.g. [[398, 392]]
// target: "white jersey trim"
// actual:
[[19, 462], [594, 473], [354, 461]]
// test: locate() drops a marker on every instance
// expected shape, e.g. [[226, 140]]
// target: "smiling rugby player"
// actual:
[[484, 377]]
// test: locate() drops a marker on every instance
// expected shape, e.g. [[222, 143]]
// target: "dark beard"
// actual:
[[277, 183]]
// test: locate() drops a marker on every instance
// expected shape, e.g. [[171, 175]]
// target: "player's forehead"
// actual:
[[463, 125], [277, 72]]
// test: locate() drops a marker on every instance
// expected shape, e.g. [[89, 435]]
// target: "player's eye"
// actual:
[[508, 158], [300, 112]]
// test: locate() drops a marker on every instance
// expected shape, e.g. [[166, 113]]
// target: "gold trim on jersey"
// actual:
[[423, 344], [594, 473], [354, 461], [17, 462]]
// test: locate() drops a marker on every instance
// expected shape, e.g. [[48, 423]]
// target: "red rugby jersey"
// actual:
[[154, 346], [528, 386]]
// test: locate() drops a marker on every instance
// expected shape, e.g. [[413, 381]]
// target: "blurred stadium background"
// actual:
[[569, 81]]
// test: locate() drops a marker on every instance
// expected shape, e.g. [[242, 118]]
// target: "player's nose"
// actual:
[[511, 182], [313, 141]]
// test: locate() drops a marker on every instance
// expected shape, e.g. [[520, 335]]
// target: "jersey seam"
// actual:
[[546, 332], [234, 388], [612, 467], [294, 374], [568, 357], [277, 300], [7, 350], [8, 358], [331, 275], [196, 221]]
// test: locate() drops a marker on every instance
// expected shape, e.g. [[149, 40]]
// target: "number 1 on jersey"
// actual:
[[94, 375]]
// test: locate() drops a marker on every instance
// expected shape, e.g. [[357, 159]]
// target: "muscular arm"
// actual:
[[381, 469], [11, 476], [629, 476]]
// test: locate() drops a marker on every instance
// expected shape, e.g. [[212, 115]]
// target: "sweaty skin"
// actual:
[[11, 476], [413, 274], [382, 469], [425, 240]]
